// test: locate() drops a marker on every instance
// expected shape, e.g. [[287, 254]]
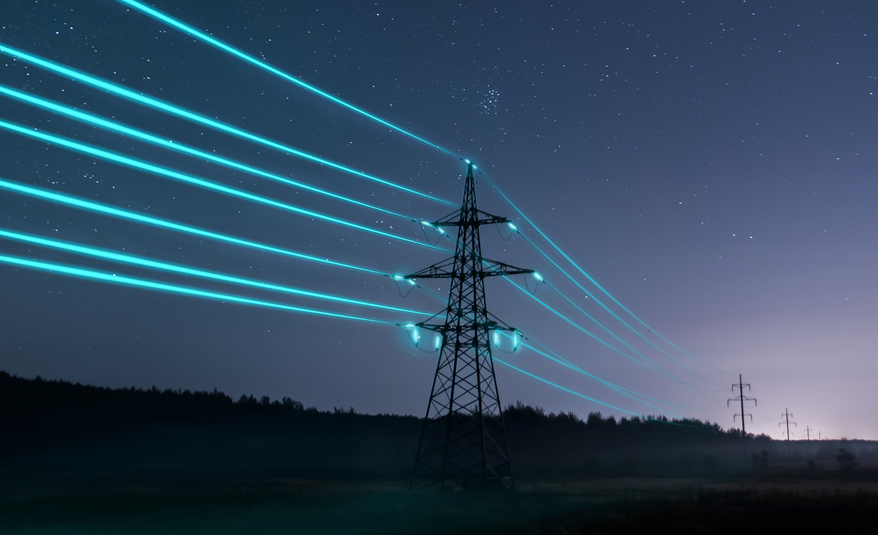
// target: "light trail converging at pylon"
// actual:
[[195, 181], [154, 264], [127, 215], [213, 41], [165, 143], [165, 107], [122, 280]]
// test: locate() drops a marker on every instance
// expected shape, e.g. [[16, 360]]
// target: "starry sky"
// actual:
[[710, 164]]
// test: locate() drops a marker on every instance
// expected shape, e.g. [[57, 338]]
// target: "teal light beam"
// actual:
[[622, 390], [599, 324], [655, 368], [569, 391], [196, 118], [623, 322], [127, 215], [189, 179], [185, 270], [73, 271], [593, 400], [567, 364], [106, 124], [535, 227], [185, 28]]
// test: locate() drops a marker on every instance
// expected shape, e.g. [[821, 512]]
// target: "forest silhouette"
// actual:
[[129, 431]]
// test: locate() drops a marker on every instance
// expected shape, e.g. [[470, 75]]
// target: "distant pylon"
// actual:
[[742, 398], [463, 441], [785, 417]]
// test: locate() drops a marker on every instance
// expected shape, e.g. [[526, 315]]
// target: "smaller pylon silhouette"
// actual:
[[785, 416], [742, 398]]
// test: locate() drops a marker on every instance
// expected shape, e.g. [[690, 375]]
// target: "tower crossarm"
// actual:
[[475, 218], [445, 270]]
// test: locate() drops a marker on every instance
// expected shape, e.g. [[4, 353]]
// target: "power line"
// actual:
[[574, 264], [118, 213], [197, 118], [602, 305], [195, 181], [655, 367], [156, 14], [122, 280], [103, 254], [113, 278], [105, 124]]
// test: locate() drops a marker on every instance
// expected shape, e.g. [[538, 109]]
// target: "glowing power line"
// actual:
[[154, 13], [185, 270], [127, 215], [586, 275], [196, 181], [171, 145], [73, 271], [196, 118]]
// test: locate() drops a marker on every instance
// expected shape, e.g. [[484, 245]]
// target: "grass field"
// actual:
[[67, 503]]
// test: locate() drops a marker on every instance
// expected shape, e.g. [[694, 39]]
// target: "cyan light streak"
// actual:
[[517, 209], [601, 325], [171, 145], [154, 13], [622, 390], [623, 322], [195, 181], [127, 215], [583, 396], [655, 368], [554, 357], [112, 278], [188, 271], [569, 391], [194, 117], [73, 271]]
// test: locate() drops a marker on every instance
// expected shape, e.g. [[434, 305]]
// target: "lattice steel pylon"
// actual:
[[463, 441]]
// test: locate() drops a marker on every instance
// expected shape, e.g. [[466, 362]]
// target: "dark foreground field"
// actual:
[[62, 505], [77, 459]]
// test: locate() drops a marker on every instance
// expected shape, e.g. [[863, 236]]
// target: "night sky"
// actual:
[[710, 164]]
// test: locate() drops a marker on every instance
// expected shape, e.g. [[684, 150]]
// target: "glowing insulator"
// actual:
[[538, 277], [512, 227], [438, 341]]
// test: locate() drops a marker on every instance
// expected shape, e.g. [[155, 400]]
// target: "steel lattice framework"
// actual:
[[463, 442]]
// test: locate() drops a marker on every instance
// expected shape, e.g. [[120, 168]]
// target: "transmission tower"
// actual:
[[786, 420], [742, 398], [808, 431], [463, 441]]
